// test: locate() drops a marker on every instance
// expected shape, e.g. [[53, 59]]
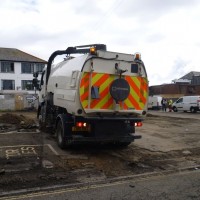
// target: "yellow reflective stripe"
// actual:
[[129, 104], [136, 81], [95, 78], [85, 103], [137, 96]]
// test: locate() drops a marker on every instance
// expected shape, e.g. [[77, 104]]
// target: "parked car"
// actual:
[[187, 103]]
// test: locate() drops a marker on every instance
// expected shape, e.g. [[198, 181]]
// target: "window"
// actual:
[[7, 84], [134, 68], [180, 100], [27, 68], [27, 85], [7, 67], [39, 67]]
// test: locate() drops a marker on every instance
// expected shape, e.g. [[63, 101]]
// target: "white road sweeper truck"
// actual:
[[93, 96]]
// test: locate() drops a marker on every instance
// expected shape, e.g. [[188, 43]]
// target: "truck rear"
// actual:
[[97, 97], [154, 102]]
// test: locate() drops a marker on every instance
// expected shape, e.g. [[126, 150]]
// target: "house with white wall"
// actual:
[[16, 71]]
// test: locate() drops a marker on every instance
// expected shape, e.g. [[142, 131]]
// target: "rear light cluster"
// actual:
[[138, 124], [81, 124]]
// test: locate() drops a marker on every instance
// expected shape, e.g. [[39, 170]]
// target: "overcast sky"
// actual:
[[165, 32]]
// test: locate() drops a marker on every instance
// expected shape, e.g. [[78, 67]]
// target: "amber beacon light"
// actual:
[[93, 51], [137, 56]]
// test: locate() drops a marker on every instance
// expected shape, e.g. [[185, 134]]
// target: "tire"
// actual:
[[175, 109], [60, 135], [42, 123], [193, 110]]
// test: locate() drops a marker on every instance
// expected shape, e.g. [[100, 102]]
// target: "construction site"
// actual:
[[31, 158]]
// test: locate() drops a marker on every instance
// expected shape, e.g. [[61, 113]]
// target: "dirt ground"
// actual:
[[30, 158]]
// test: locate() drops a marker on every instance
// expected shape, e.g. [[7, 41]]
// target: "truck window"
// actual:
[[180, 100]]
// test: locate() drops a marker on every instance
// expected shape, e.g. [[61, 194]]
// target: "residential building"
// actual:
[[16, 70]]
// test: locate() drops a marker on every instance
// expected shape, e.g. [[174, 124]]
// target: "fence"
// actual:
[[18, 102]]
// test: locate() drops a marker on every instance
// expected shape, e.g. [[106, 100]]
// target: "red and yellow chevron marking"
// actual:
[[136, 99], [102, 81], [138, 93]]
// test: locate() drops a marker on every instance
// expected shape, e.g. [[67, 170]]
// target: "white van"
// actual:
[[154, 102], [187, 103]]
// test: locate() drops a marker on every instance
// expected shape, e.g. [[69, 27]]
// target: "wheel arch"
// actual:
[[61, 118], [174, 108], [64, 118], [193, 109]]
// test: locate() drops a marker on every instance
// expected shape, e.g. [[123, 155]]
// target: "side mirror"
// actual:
[[35, 74], [35, 83]]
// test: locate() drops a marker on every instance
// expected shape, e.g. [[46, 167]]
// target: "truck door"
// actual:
[[187, 103], [180, 104]]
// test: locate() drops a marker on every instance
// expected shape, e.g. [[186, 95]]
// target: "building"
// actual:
[[16, 75], [16, 70], [193, 76], [188, 85]]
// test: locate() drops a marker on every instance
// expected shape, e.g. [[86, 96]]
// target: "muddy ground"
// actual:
[[29, 158]]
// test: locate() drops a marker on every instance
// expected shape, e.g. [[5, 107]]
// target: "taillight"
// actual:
[[138, 124], [81, 127], [81, 124]]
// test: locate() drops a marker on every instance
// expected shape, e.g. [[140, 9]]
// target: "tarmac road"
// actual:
[[179, 186]]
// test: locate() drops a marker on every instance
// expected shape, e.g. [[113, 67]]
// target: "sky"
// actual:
[[166, 33]]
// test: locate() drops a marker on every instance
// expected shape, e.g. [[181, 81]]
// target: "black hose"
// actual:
[[52, 57]]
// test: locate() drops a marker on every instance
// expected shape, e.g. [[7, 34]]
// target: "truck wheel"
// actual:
[[60, 135], [42, 125], [175, 109], [193, 110]]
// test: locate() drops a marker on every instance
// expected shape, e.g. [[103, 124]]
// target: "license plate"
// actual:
[[74, 128]]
